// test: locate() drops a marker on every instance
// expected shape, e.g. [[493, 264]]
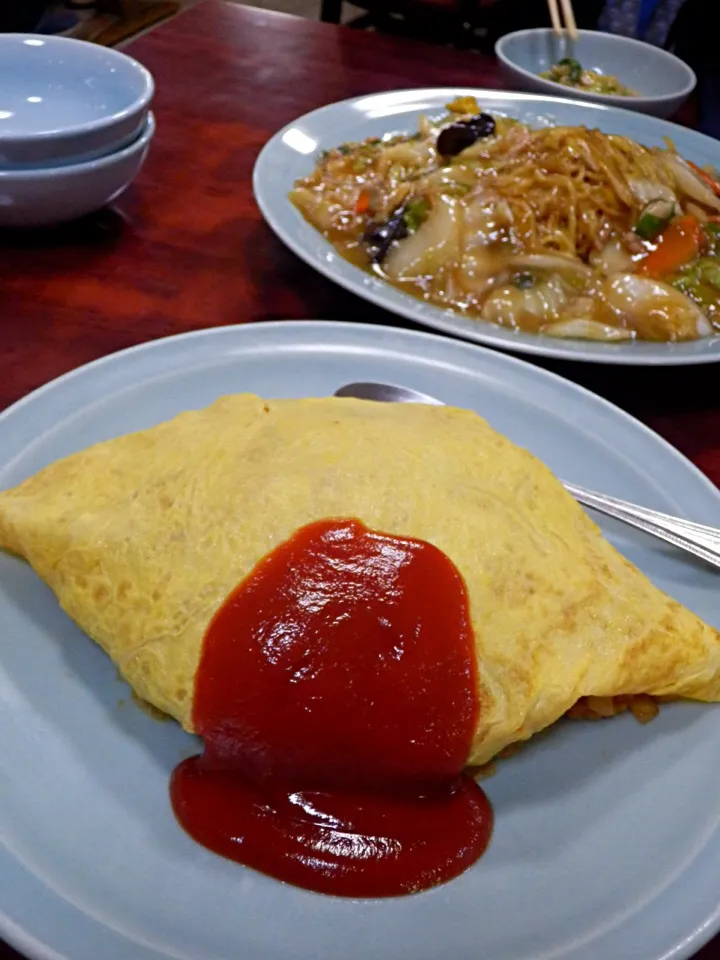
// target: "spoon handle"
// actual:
[[696, 538]]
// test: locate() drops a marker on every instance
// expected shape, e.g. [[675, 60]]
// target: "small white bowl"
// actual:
[[662, 81], [44, 197], [64, 100]]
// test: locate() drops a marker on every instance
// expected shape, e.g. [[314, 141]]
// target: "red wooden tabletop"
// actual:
[[186, 247]]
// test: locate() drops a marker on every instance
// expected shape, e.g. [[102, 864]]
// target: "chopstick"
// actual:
[[555, 16], [568, 14]]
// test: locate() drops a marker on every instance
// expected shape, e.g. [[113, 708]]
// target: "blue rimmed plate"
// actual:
[[292, 152], [607, 837]]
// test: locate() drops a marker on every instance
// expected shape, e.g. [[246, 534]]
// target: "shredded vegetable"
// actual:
[[706, 178]]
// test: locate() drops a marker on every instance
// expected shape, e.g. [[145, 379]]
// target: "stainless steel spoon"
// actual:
[[695, 538]]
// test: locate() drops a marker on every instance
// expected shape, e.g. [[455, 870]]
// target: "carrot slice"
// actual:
[[677, 245], [362, 204]]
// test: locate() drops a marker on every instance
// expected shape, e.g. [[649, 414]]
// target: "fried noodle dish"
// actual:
[[563, 231]]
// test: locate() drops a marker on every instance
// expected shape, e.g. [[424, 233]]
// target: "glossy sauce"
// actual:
[[337, 698]]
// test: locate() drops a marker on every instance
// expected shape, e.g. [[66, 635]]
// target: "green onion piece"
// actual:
[[710, 272], [687, 279], [654, 218], [649, 226], [699, 280], [712, 237], [415, 213], [574, 69]]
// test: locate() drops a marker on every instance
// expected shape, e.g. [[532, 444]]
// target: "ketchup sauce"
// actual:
[[336, 696]]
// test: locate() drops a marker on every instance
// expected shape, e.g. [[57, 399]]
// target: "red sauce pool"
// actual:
[[337, 698]]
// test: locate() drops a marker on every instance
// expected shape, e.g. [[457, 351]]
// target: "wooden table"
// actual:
[[187, 248]]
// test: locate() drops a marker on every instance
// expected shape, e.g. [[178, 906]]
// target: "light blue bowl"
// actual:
[[43, 197], [63, 100], [662, 80]]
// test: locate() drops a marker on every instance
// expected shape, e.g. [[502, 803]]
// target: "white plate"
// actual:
[[292, 152], [606, 842]]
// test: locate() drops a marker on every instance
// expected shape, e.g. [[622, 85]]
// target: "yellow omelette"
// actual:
[[142, 538]]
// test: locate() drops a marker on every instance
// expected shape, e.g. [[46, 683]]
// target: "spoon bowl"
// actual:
[[387, 393]]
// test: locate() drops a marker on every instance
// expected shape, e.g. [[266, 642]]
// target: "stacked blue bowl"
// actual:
[[75, 127]]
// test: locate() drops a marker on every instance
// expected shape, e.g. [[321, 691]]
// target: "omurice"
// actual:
[[352, 604]]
